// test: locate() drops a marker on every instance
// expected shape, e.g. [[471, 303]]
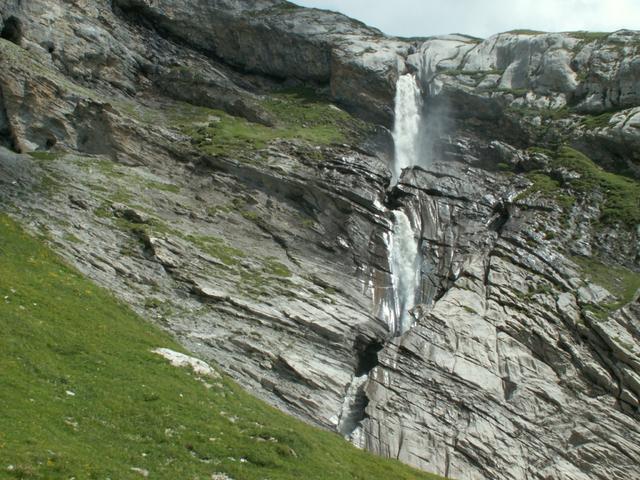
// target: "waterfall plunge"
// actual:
[[405, 263], [404, 257], [406, 129]]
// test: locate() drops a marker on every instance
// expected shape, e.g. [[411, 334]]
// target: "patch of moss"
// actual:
[[620, 281], [217, 247], [597, 121], [300, 114], [272, 266], [545, 151], [103, 211], [304, 114], [544, 113], [589, 36], [107, 167], [45, 156], [525, 31], [621, 194], [516, 92], [70, 237], [251, 215], [213, 210], [547, 187], [120, 196]]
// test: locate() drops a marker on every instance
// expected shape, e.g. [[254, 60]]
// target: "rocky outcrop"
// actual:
[[540, 88], [195, 158], [507, 374], [280, 39]]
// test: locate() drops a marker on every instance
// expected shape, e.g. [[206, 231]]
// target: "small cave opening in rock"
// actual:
[[12, 30], [500, 218], [50, 142], [367, 356]]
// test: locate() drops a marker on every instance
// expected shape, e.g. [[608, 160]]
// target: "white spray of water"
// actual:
[[406, 129], [402, 245], [405, 265]]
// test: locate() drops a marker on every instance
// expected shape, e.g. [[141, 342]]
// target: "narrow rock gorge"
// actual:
[[430, 246]]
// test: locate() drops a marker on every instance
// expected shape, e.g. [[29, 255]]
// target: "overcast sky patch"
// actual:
[[417, 18]]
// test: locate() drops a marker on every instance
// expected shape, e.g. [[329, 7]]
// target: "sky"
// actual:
[[482, 18]]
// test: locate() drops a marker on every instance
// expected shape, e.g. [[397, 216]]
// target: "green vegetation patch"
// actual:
[[621, 194], [164, 187], [273, 267], [589, 36], [45, 155], [83, 396], [298, 113], [224, 134], [516, 92], [547, 187], [597, 121], [545, 114], [217, 247], [621, 282], [524, 31]]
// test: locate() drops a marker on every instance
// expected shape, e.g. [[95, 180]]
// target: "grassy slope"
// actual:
[[621, 194], [82, 396]]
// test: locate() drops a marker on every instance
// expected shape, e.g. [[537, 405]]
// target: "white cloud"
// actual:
[[484, 18]]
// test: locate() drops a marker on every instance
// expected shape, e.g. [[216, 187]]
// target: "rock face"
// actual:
[[196, 158], [277, 38]]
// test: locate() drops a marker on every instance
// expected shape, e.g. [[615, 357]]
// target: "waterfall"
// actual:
[[406, 129], [405, 263], [402, 245]]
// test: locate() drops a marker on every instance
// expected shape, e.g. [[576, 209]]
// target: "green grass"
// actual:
[[82, 396], [589, 36], [597, 121], [299, 114], [217, 247], [524, 31], [547, 187], [273, 267], [516, 92], [621, 195], [545, 113], [621, 282], [45, 156]]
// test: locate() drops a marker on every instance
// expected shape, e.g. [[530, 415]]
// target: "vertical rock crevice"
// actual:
[[356, 400], [7, 137]]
